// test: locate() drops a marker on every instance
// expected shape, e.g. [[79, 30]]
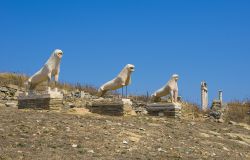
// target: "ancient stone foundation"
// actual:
[[164, 109], [49, 100], [118, 107]]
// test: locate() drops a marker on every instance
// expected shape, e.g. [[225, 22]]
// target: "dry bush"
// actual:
[[191, 110], [238, 111], [87, 88]]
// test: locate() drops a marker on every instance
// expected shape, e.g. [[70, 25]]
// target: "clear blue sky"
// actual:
[[199, 40]]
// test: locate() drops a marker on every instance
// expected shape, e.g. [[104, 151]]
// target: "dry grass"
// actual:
[[238, 111], [20, 79], [12, 78], [191, 110], [142, 98]]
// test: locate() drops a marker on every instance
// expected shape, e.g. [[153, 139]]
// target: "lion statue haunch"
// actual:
[[123, 79], [49, 70], [170, 88]]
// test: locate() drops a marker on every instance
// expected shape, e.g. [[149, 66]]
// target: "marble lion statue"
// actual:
[[123, 79], [50, 69], [170, 88]]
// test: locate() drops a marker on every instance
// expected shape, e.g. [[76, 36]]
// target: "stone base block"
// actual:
[[49, 100], [116, 107], [164, 109]]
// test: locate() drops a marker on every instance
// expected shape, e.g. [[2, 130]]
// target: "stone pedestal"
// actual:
[[164, 109], [113, 107], [48, 100]]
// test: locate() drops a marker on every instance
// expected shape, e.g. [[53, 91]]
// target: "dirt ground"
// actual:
[[77, 134]]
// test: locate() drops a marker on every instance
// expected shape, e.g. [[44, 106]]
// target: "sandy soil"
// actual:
[[78, 134]]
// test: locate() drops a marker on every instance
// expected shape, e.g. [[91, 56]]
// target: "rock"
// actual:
[[86, 138], [224, 148], [215, 114], [71, 105], [11, 104], [68, 129], [142, 129], [161, 150], [125, 142], [91, 151], [74, 145], [204, 135], [232, 123], [109, 122], [134, 139], [213, 154], [220, 120], [12, 86], [205, 116], [3, 89], [192, 123], [140, 110], [2, 95]]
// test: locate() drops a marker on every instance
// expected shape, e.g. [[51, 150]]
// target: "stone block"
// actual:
[[49, 100], [164, 109], [118, 107]]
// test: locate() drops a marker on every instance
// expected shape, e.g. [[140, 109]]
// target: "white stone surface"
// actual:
[[46, 94], [123, 79], [49, 70], [204, 96], [11, 104], [159, 106], [164, 109], [127, 101], [84, 95], [220, 96], [170, 88]]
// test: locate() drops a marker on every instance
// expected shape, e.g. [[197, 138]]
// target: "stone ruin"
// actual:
[[218, 108], [113, 107], [217, 103], [204, 96], [9, 94], [48, 100], [123, 79], [165, 108]]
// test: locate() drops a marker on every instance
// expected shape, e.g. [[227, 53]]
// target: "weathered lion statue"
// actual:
[[170, 88], [49, 70], [123, 79]]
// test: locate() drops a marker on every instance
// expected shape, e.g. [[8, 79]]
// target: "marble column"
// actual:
[[204, 96]]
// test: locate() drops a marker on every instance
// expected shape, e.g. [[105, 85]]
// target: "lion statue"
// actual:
[[170, 88], [49, 70], [123, 79]]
